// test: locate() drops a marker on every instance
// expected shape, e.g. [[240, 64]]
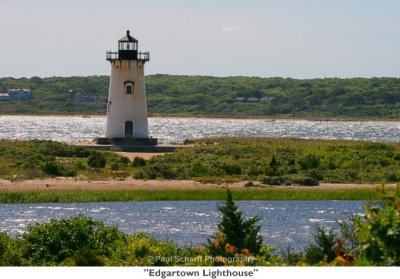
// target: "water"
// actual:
[[191, 222], [176, 130]]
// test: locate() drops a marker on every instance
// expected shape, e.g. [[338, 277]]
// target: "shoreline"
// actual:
[[135, 184], [227, 117]]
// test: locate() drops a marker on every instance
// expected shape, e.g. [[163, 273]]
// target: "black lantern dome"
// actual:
[[128, 50]]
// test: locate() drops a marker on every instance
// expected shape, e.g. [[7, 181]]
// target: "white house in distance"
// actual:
[[127, 105], [5, 97]]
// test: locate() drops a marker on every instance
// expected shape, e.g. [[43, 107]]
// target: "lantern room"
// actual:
[[128, 50], [128, 47]]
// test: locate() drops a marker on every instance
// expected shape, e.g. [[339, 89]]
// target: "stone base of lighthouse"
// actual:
[[127, 141]]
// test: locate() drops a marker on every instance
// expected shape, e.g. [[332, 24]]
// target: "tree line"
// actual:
[[328, 98]]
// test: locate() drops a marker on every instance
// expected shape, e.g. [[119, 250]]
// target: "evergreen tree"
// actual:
[[235, 235]]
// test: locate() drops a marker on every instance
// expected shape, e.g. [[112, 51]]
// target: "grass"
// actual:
[[42, 159], [278, 161], [268, 160], [53, 196]]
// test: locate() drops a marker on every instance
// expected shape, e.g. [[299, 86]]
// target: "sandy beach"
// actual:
[[134, 184]]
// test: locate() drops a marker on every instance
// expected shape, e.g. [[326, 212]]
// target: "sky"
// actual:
[[266, 38]]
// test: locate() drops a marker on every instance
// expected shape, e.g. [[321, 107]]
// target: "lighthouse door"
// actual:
[[128, 129]]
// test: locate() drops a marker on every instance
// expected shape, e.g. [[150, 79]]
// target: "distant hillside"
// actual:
[[377, 98]]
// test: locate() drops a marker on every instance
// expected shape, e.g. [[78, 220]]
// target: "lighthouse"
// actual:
[[126, 104]]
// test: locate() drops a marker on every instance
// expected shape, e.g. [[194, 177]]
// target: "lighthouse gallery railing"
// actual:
[[114, 55]]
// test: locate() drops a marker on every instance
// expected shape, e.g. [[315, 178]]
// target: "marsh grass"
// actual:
[[268, 160], [41, 159], [53, 196], [271, 161], [278, 161]]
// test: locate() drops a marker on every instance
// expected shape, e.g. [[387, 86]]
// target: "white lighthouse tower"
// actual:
[[127, 105]]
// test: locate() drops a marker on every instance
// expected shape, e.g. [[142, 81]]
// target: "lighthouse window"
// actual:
[[127, 46], [129, 89]]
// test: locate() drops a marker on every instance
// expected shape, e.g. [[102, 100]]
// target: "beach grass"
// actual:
[[64, 196]]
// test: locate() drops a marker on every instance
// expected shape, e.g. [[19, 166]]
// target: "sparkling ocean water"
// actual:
[[176, 130], [283, 223]]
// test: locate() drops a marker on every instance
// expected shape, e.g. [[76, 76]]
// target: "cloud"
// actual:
[[1, 8], [231, 28]]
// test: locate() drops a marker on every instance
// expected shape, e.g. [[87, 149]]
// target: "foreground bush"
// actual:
[[379, 230], [323, 250], [142, 250], [75, 241], [372, 240], [7, 251]]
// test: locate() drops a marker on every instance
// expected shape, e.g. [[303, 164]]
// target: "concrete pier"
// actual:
[[134, 148]]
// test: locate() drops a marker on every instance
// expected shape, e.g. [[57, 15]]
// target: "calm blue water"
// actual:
[[191, 222], [176, 130]]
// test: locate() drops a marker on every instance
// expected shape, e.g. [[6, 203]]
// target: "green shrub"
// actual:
[[8, 252], [68, 172], [51, 168], [254, 170], [81, 166], [65, 241], [273, 180], [309, 161], [198, 169], [379, 230], [159, 170], [138, 162], [304, 181], [273, 164], [289, 180], [291, 169], [315, 174], [323, 250], [124, 160], [142, 250], [291, 258], [348, 234], [272, 168], [55, 169], [87, 257], [114, 166], [97, 160], [232, 169], [392, 177]]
